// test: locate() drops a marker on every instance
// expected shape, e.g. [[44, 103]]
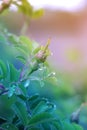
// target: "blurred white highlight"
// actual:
[[68, 5]]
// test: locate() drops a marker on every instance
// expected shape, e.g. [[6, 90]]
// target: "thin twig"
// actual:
[[5, 5], [3, 92]]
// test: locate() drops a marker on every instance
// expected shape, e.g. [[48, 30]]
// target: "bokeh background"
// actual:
[[65, 23]]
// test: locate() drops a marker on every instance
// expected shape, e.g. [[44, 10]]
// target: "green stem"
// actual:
[[25, 26]]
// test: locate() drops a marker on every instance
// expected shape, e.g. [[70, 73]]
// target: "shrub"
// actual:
[[20, 110]]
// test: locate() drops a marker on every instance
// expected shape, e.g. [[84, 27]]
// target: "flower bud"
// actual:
[[75, 116], [42, 54]]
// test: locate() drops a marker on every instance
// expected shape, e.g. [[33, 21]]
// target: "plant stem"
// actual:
[[25, 26], [3, 92]]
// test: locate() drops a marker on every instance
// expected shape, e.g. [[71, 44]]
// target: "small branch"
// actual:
[[75, 115], [22, 73], [3, 92], [6, 4], [25, 25], [23, 70]]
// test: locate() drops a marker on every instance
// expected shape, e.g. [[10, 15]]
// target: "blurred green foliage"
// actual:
[[22, 6], [21, 106]]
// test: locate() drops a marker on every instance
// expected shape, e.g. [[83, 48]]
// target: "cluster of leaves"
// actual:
[[22, 6], [18, 109]]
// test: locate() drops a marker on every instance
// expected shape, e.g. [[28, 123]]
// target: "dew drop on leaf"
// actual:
[[27, 83]]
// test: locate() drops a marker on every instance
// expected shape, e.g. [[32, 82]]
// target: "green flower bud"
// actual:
[[43, 53]]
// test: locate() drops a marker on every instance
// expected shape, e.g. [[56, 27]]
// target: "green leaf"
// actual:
[[57, 125], [37, 49], [41, 107], [13, 39], [22, 97], [34, 101], [22, 51], [35, 45], [40, 118], [7, 126], [23, 89], [3, 69], [38, 13], [21, 58], [34, 97], [68, 126], [6, 113], [21, 112], [71, 126], [26, 8], [77, 127], [13, 73], [27, 42]]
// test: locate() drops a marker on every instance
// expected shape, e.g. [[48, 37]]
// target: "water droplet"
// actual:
[[51, 74], [27, 83]]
